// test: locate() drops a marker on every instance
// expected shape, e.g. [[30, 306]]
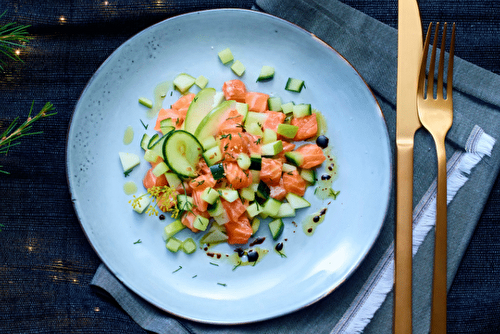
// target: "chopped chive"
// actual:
[[176, 270], [138, 241], [214, 264], [144, 125], [222, 284]]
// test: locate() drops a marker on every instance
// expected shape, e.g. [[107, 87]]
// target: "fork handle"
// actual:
[[439, 288]]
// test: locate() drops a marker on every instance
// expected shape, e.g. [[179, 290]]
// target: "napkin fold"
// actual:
[[364, 301]]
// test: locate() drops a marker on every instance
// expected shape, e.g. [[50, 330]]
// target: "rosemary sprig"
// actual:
[[10, 136], [12, 37]]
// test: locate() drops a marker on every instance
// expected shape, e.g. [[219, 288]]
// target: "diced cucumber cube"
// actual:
[[188, 246], [209, 142], [215, 235], [146, 102], [263, 190], [184, 202], [210, 195], [229, 195], [171, 229], [256, 117], [217, 171], [286, 210], [276, 227], [287, 108], [294, 85], [254, 129], [301, 110], [287, 130], [274, 103], [271, 207], [309, 175], [216, 209], [238, 68], [243, 161], [254, 209], [150, 156], [160, 169], [225, 56], [242, 109], [272, 149], [183, 82], [142, 203], [200, 223], [287, 168], [255, 225], [173, 180], [255, 162], [296, 201], [201, 81], [295, 158], [255, 178], [247, 193], [269, 136], [266, 73], [173, 244], [212, 155], [222, 218], [129, 161]]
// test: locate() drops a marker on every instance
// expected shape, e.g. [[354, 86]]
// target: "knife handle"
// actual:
[[403, 240]]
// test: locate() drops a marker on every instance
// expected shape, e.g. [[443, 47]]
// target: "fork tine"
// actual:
[[423, 65], [449, 85], [430, 84], [439, 91]]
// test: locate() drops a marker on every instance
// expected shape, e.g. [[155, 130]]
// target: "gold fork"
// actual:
[[436, 115]]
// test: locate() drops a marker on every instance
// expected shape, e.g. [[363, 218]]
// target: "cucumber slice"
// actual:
[[242, 109], [173, 228], [202, 104], [296, 201], [129, 161], [294, 85], [209, 125], [146, 102], [266, 73], [188, 246], [217, 171], [301, 110], [182, 152], [271, 149], [183, 82], [210, 195], [173, 244], [276, 227], [225, 56], [287, 130], [213, 155], [238, 68], [144, 141], [274, 103], [166, 125]]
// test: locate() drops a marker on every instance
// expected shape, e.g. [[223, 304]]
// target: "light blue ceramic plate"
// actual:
[[201, 291]]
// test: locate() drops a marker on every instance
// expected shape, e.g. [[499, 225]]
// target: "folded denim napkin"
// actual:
[[364, 302]]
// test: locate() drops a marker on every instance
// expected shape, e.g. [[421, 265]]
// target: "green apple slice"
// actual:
[[206, 100], [209, 125]]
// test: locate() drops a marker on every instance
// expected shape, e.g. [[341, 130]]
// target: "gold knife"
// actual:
[[407, 123]]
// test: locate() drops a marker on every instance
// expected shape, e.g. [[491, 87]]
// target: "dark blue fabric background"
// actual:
[[46, 263]]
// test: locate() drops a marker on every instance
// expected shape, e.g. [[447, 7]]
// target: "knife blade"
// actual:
[[407, 123]]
